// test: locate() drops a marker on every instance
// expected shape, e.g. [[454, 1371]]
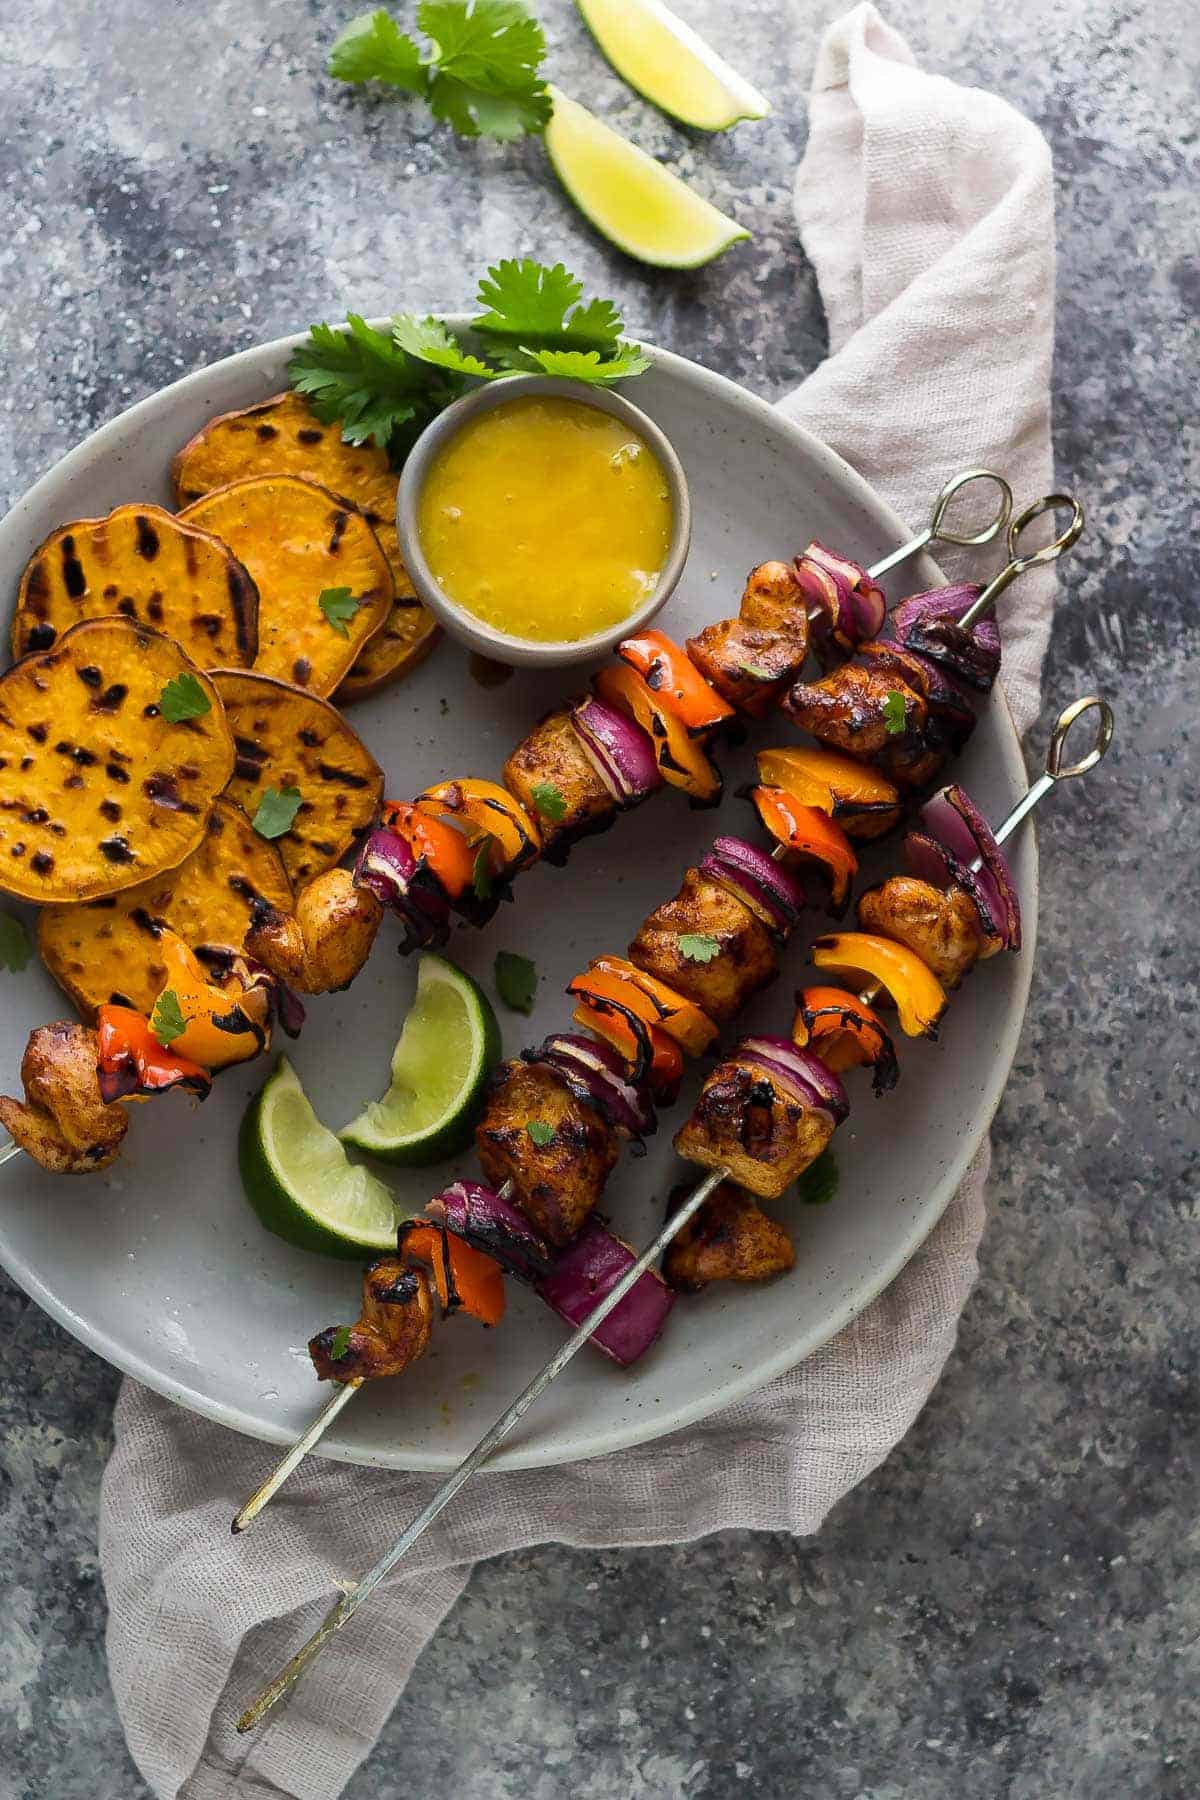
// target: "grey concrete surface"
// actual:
[[1010, 1607]]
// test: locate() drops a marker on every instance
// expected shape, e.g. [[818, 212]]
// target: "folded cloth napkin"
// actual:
[[927, 211]]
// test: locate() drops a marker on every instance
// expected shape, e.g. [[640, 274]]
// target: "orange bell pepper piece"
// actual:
[[864, 802], [809, 832], [680, 759], [132, 1064], [680, 1018], [485, 809], [463, 1276], [919, 996], [608, 1019], [670, 673], [222, 1025], [845, 1033], [445, 851]]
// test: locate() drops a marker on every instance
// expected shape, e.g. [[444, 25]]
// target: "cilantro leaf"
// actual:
[[541, 1133], [339, 1343], [373, 48], [516, 980], [586, 365], [362, 380], [429, 340], [277, 811], [699, 946], [183, 698], [339, 606], [819, 1182], [15, 949], [895, 713], [484, 67], [167, 1021], [548, 801], [524, 299], [755, 671], [481, 873]]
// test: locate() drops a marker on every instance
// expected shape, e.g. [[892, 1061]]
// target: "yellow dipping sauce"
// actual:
[[546, 519]]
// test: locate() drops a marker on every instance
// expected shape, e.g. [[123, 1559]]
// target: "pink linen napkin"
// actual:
[[927, 211]]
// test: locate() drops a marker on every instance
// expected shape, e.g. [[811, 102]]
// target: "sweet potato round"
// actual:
[[286, 737], [106, 952], [146, 565], [298, 540], [97, 790]]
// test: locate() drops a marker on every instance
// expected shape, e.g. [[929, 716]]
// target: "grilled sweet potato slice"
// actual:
[[286, 737], [300, 541], [97, 790], [106, 952], [143, 564], [283, 436]]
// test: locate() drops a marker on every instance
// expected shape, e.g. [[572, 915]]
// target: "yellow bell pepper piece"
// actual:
[[849, 956], [204, 1040]]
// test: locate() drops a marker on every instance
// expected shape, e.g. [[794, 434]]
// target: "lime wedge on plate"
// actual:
[[638, 204], [663, 58], [300, 1181], [448, 1047]]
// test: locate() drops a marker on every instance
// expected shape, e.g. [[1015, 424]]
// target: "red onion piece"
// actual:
[[590, 1268], [953, 818], [853, 607], [929, 623], [598, 1074], [387, 868], [488, 1222], [621, 752], [803, 1070], [759, 877], [932, 861]]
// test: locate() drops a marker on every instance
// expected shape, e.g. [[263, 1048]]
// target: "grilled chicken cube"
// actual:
[[748, 1122], [729, 1239], [745, 959], [749, 659], [63, 1122], [322, 944], [393, 1331], [942, 928], [556, 1183], [912, 762], [552, 757], [855, 710]]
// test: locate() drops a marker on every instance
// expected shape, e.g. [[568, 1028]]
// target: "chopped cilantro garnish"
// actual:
[[755, 671], [895, 712], [819, 1182], [339, 606], [277, 811], [699, 946], [516, 980], [481, 874], [15, 949], [339, 1343], [167, 1021], [541, 1133], [548, 801], [183, 698]]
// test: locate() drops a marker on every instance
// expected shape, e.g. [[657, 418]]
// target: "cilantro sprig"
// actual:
[[895, 713], [699, 946], [277, 811], [15, 948], [549, 802], [478, 72], [516, 980], [167, 1021], [183, 698], [384, 388], [339, 606]]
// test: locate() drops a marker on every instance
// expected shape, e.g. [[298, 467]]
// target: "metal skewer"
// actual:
[[350, 1601]]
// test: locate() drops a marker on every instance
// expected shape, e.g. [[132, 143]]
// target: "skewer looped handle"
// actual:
[[1017, 562], [936, 532], [1054, 771]]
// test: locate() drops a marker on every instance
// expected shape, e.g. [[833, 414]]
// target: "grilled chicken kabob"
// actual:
[[769, 1109], [461, 842]]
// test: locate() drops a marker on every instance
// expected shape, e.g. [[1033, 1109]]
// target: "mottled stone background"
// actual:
[[1011, 1605]]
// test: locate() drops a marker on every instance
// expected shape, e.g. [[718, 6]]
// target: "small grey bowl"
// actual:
[[463, 625]]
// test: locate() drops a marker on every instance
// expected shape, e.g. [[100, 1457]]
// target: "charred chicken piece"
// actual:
[[855, 709], [749, 659], [553, 757], [745, 960], [393, 1331], [749, 1123], [942, 928], [63, 1122], [729, 1239], [557, 1182], [322, 944]]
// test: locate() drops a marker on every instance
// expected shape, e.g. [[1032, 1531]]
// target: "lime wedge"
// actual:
[[639, 206], [448, 1047], [665, 60], [301, 1183]]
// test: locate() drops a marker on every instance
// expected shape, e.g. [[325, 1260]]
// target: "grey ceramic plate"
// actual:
[[158, 1265]]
